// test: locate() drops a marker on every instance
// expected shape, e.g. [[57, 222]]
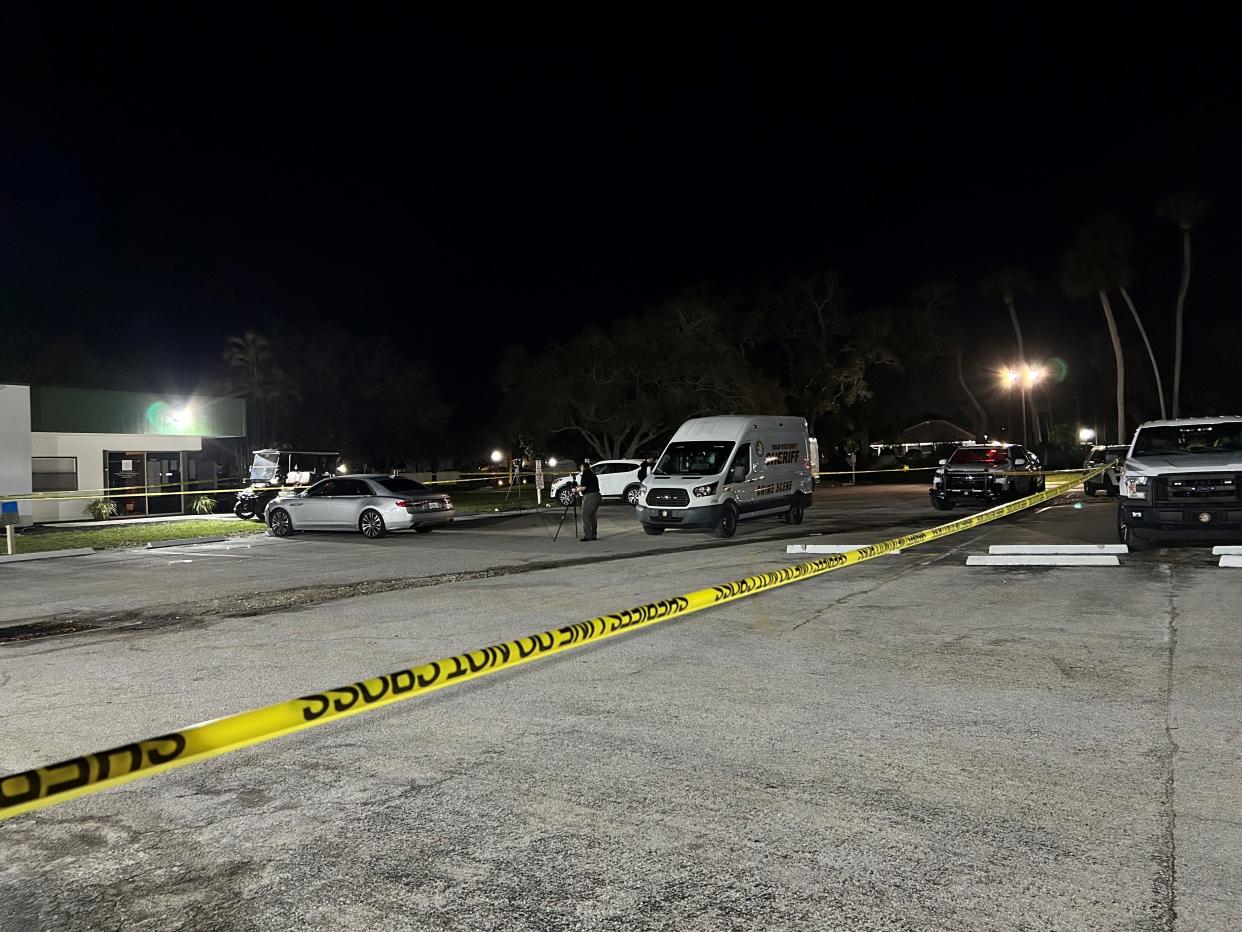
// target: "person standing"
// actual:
[[644, 469], [588, 488]]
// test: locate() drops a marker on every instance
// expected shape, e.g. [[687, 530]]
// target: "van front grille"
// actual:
[[676, 498]]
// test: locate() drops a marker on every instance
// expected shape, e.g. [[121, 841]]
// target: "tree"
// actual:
[[1185, 210], [943, 337], [256, 376], [826, 351], [1151, 354], [619, 392], [1008, 284], [1099, 261]]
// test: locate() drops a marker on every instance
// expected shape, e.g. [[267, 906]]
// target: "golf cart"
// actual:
[[276, 471]]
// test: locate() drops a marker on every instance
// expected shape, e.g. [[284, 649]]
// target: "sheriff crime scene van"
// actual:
[[717, 471]]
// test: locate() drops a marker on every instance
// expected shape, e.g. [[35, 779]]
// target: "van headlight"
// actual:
[[1134, 486], [702, 491]]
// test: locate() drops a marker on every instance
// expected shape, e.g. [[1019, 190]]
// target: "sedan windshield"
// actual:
[[694, 458], [402, 485], [1174, 440]]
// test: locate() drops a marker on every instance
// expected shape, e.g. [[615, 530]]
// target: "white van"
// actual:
[[718, 470]]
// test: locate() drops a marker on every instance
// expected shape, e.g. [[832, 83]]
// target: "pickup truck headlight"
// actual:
[[1134, 486], [702, 491]]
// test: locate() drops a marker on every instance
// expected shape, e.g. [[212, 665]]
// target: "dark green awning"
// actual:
[[95, 411]]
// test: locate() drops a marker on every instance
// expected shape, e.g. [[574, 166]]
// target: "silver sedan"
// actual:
[[373, 505]]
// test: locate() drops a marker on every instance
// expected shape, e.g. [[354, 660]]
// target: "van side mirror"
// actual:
[[944, 462], [738, 474]]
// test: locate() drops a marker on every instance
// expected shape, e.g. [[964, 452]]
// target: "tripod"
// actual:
[[574, 505]]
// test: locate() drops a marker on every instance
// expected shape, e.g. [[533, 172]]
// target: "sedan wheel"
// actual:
[[633, 494], [372, 524], [279, 523]]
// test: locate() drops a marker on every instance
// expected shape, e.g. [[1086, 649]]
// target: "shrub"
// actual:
[[102, 508], [203, 505]]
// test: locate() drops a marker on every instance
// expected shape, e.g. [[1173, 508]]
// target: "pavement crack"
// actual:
[[1165, 886]]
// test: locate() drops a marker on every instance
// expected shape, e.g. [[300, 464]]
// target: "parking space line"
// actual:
[[1034, 559], [1057, 548]]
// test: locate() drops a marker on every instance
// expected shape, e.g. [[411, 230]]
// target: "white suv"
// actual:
[[617, 479], [1181, 480]]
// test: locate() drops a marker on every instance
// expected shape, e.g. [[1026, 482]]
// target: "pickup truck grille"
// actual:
[[676, 498], [1210, 487]]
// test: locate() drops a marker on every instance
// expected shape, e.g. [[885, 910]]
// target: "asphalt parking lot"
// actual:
[[910, 743]]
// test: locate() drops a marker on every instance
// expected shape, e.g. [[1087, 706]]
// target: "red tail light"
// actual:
[[401, 503]]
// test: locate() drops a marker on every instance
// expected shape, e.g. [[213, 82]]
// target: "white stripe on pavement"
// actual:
[[1083, 559], [1221, 550], [1058, 548], [1231, 559]]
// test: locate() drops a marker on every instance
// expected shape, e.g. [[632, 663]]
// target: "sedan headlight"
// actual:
[[702, 491], [1134, 486]]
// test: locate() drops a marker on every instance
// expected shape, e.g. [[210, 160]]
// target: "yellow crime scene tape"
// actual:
[[45, 786], [133, 491]]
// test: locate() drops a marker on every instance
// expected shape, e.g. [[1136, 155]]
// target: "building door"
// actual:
[[127, 471], [164, 475]]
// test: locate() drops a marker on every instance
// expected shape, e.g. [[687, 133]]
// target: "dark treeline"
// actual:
[[1108, 357]]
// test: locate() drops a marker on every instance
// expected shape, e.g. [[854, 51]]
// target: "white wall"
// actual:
[[15, 444], [89, 449]]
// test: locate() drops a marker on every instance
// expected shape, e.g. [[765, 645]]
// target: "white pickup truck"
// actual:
[[1180, 482]]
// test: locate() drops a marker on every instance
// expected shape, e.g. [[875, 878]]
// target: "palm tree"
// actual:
[[1008, 284], [1184, 209], [1155, 367], [1099, 261], [250, 358]]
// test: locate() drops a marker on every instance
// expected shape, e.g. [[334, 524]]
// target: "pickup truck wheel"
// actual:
[[1089, 491], [727, 525], [1131, 538], [940, 504]]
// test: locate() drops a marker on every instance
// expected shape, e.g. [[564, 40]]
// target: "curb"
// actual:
[[46, 555]]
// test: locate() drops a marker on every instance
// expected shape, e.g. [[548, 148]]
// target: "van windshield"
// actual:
[[1174, 440], [694, 458]]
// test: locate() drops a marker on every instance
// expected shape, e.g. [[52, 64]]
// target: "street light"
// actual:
[[497, 456], [1086, 435], [1026, 376], [552, 462]]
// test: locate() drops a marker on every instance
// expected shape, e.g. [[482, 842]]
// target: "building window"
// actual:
[[54, 473]]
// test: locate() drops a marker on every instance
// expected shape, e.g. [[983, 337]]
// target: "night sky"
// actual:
[[169, 176]]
